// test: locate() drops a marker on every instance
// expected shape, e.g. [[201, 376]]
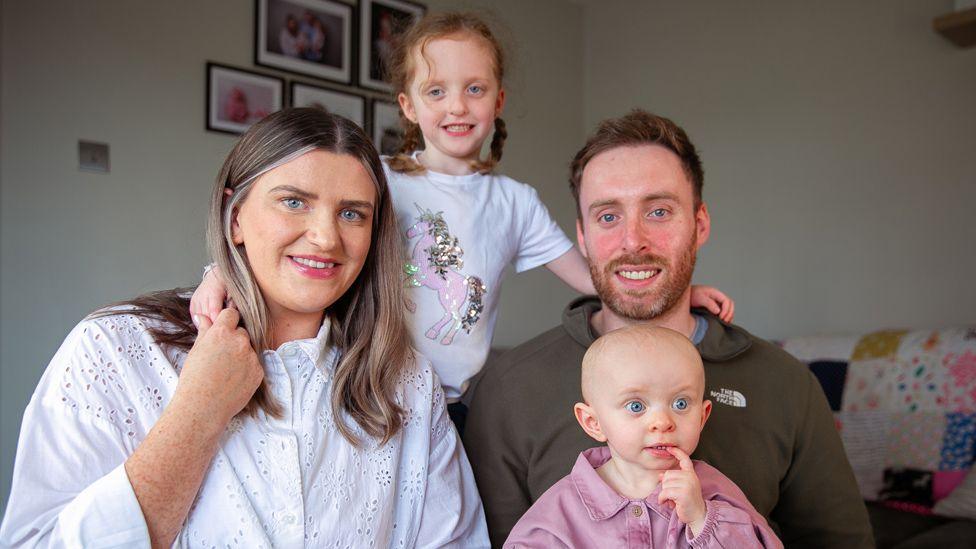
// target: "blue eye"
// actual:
[[436, 92], [607, 218], [351, 215], [680, 404], [475, 89], [635, 406], [660, 212], [293, 203]]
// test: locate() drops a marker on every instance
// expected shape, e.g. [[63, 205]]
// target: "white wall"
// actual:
[[839, 144], [132, 74]]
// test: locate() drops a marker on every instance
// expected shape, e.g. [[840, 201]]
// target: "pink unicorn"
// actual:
[[436, 263]]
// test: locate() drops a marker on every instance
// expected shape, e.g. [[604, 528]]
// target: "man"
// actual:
[[641, 221]]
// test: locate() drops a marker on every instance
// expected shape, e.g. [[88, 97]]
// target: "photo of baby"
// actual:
[[238, 98]]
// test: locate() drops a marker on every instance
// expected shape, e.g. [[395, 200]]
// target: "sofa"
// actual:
[[904, 403]]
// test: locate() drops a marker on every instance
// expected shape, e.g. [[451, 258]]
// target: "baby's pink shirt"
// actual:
[[581, 510]]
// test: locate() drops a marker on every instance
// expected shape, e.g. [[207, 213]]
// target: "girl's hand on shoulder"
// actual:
[[682, 489], [714, 301], [221, 372], [208, 299]]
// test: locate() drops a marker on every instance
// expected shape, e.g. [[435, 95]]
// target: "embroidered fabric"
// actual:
[[460, 234], [287, 482]]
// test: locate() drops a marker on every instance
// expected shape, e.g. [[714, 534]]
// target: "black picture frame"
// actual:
[[237, 98], [379, 22], [320, 44], [343, 103], [385, 129]]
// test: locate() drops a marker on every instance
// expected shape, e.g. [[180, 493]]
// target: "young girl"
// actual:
[[642, 486], [462, 224]]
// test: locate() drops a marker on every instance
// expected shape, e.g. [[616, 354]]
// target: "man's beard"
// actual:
[[650, 303]]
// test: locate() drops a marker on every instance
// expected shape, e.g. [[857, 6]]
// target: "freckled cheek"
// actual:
[[606, 243], [355, 244], [275, 235]]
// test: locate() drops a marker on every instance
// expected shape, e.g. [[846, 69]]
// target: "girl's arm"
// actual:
[[209, 297], [571, 268]]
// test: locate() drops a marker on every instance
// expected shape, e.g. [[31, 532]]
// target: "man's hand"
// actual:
[[683, 490]]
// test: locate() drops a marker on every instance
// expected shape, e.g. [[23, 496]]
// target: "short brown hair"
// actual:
[[638, 127]]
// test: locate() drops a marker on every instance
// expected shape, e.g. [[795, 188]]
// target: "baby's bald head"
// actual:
[[648, 348]]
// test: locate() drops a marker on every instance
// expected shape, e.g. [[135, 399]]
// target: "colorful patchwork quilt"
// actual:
[[905, 406]]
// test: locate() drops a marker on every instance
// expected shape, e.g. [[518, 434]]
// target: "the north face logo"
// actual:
[[729, 398]]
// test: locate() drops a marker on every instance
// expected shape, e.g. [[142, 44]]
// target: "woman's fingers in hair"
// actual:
[[222, 370], [228, 317]]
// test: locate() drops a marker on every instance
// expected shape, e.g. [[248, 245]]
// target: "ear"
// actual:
[[703, 224], [236, 234], [706, 411], [406, 105], [579, 238], [588, 421], [500, 102]]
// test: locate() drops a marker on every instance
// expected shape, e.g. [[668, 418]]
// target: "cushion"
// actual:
[[961, 503], [919, 389], [905, 405]]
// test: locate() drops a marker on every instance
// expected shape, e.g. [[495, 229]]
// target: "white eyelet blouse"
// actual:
[[288, 482]]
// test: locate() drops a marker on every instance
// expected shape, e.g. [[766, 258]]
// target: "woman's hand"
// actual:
[[218, 379], [221, 372]]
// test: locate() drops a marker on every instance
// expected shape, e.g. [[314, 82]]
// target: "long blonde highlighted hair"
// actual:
[[367, 323]]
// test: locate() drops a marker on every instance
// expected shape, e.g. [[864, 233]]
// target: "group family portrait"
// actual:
[[306, 323]]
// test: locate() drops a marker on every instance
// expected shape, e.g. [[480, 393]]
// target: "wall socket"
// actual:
[[92, 156]]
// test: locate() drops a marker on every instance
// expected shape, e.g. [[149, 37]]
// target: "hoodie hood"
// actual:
[[722, 341]]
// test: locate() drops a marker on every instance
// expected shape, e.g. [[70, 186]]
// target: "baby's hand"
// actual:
[[208, 299], [714, 301], [682, 488]]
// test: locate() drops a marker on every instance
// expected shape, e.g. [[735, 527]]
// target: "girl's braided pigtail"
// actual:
[[402, 161], [495, 154]]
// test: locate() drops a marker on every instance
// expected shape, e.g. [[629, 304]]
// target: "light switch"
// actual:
[[92, 157]]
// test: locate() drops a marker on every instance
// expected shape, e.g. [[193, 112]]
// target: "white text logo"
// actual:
[[729, 398]]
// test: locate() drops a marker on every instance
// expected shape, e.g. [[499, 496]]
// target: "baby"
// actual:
[[643, 389]]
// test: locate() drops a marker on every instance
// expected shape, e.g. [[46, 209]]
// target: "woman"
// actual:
[[332, 432]]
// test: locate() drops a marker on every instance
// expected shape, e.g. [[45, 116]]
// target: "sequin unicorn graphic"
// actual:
[[436, 264]]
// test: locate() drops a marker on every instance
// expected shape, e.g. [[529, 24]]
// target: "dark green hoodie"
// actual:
[[770, 431]]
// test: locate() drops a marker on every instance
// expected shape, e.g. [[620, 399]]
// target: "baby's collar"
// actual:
[[602, 501]]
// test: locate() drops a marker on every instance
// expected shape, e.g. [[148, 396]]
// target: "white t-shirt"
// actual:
[[460, 233], [288, 482]]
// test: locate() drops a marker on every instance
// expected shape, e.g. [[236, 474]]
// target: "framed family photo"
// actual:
[[380, 22], [344, 104], [387, 133], [310, 37], [237, 98]]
